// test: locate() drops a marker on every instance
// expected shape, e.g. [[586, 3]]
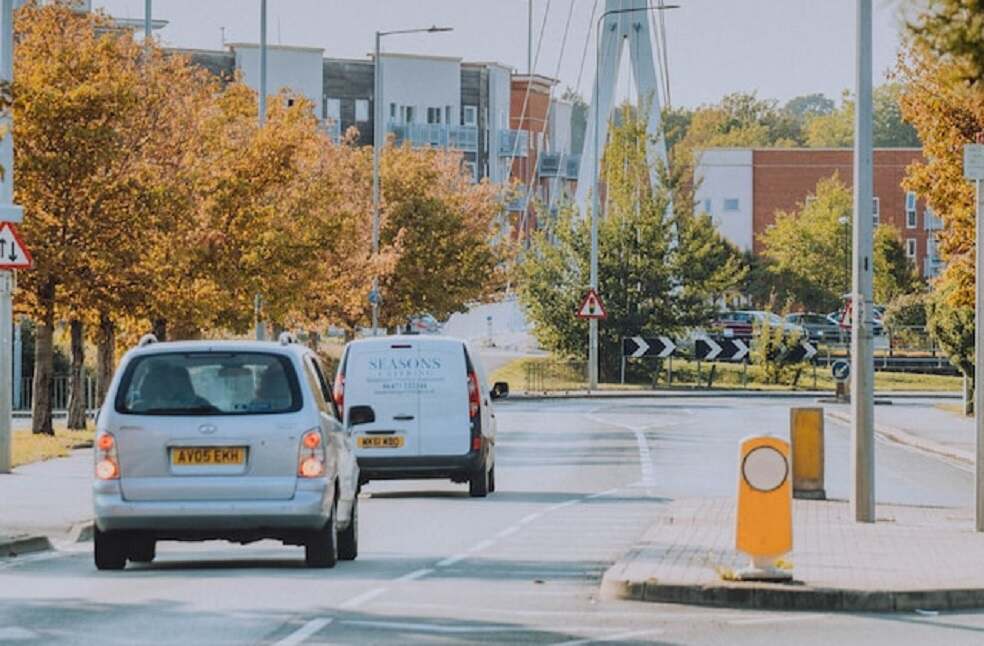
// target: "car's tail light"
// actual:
[[107, 459], [338, 393], [474, 398], [311, 457]]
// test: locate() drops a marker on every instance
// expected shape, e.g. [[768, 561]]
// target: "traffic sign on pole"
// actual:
[[840, 370], [591, 307], [720, 349], [637, 347], [13, 251], [974, 170]]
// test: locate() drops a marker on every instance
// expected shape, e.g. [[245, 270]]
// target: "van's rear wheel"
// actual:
[[109, 550], [478, 485], [492, 478], [348, 539], [321, 548], [143, 550]]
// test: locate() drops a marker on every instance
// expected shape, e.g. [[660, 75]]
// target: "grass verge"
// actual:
[[555, 375], [28, 447]]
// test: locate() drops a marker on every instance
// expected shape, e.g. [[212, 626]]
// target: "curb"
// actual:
[[762, 394], [20, 545], [766, 596], [909, 439], [81, 532]]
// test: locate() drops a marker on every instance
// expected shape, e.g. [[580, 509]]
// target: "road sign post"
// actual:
[[638, 347], [974, 171], [593, 310]]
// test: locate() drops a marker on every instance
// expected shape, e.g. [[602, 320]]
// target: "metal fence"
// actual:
[[59, 393], [544, 376]]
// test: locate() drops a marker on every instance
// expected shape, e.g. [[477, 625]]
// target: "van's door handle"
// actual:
[[403, 418]]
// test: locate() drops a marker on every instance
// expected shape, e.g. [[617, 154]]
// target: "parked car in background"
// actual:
[[742, 323], [223, 440], [818, 328], [837, 318]]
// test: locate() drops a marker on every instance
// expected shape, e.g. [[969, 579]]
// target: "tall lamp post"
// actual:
[[378, 137], [595, 197]]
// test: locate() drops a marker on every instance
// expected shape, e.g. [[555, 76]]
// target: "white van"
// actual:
[[433, 409]]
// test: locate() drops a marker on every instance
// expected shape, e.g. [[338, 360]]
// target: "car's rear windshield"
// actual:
[[209, 383]]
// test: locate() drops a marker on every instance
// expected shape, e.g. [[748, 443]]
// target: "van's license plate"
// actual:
[[207, 455], [380, 441]]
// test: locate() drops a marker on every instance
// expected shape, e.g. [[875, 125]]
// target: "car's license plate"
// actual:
[[207, 455], [380, 441]]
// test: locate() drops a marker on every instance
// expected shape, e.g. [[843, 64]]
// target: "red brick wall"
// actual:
[[783, 178]]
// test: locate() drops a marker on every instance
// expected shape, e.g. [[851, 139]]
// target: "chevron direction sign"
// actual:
[[720, 349], [804, 351], [637, 347]]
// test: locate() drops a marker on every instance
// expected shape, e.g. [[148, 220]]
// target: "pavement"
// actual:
[[581, 484]]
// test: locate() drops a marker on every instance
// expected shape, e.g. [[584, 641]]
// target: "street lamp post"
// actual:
[[263, 61], [378, 137], [595, 197]]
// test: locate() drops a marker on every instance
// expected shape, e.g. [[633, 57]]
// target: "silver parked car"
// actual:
[[233, 440]]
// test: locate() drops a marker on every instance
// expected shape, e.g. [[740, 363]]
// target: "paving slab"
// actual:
[[51, 498], [911, 558]]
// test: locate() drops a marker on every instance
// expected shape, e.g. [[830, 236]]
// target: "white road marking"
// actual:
[[566, 503], [645, 456], [416, 574], [667, 616], [613, 638], [432, 628], [530, 518], [509, 531], [305, 631], [451, 560], [601, 494], [483, 545], [773, 619], [360, 599]]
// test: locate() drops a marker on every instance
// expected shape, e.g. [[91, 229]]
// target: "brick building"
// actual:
[[743, 189]]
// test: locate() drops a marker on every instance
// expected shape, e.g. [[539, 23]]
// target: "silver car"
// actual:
[[232, 440]]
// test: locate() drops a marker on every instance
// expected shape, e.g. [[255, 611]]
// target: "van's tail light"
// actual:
[[311, 456], [107, 458], [474, 398], [338, 393]]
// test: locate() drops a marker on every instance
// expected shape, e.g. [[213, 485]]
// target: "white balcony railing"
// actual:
[[513, 143], [435, 135]]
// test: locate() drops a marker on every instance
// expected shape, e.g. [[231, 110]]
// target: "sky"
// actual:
[[778, 48]]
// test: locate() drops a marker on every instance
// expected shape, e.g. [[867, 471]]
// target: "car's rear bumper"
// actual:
[[309, 508], [455, 467]]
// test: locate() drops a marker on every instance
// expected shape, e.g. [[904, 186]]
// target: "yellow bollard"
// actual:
[[764, 522], [806, 437]]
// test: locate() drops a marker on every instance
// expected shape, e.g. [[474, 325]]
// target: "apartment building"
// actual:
[[743, 188]]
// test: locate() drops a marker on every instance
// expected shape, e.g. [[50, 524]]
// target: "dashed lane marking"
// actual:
[[360, 599], [614, 638], [305, 631], [416, 574]]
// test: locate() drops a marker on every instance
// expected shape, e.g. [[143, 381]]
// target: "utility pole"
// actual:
[[529, 41], [148, 27], [862, 358], [18, 363], [378, 132], [263, 61], [9, 212], [973, 166]]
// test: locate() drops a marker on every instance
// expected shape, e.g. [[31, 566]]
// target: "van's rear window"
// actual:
[[209, 383]]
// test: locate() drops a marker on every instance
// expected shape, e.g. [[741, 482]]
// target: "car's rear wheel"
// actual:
[[478, 485], [321, 549], [348, 539], [143, 550], [109, 550]]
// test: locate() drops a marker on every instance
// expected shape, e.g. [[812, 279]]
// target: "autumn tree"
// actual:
[[836, 128]]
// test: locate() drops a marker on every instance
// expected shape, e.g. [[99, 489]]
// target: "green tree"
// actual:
[[810, 105], [836, 129], [658, 272], [951, 324], [809, 250], [579, 118]]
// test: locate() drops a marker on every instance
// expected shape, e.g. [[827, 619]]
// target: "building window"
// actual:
[[707, 206], [731, 204], [470, 116], [447, 115], [362, 110], [409, 114], [911, 217], [433, 115], [876, 210], [333, 109], [392, 112], [910, 248]]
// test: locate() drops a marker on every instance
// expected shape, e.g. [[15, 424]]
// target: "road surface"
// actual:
[[579, 481]]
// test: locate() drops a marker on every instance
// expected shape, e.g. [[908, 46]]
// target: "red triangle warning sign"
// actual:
[[591, 307]]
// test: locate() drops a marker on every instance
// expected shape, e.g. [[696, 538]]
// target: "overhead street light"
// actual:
[[595, 198], [378, 136]]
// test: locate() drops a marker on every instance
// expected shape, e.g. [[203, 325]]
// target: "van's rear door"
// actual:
[[443, 390], [381, 374]]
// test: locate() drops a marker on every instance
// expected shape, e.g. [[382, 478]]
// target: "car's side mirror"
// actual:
[[361, 415], [500, 390]]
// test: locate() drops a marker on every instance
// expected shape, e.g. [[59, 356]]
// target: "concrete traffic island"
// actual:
[[912, 558]]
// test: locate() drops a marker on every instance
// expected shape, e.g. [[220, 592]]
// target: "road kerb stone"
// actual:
[[910, 439], [20, 545]]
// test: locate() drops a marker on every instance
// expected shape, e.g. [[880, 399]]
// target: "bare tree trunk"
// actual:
[[76, 378], [314, 339], [44, 358], [159, 328], [105, 356], [968, 395]]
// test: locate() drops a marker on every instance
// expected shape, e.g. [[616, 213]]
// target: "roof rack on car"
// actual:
[[147, 339], [286, 338]]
